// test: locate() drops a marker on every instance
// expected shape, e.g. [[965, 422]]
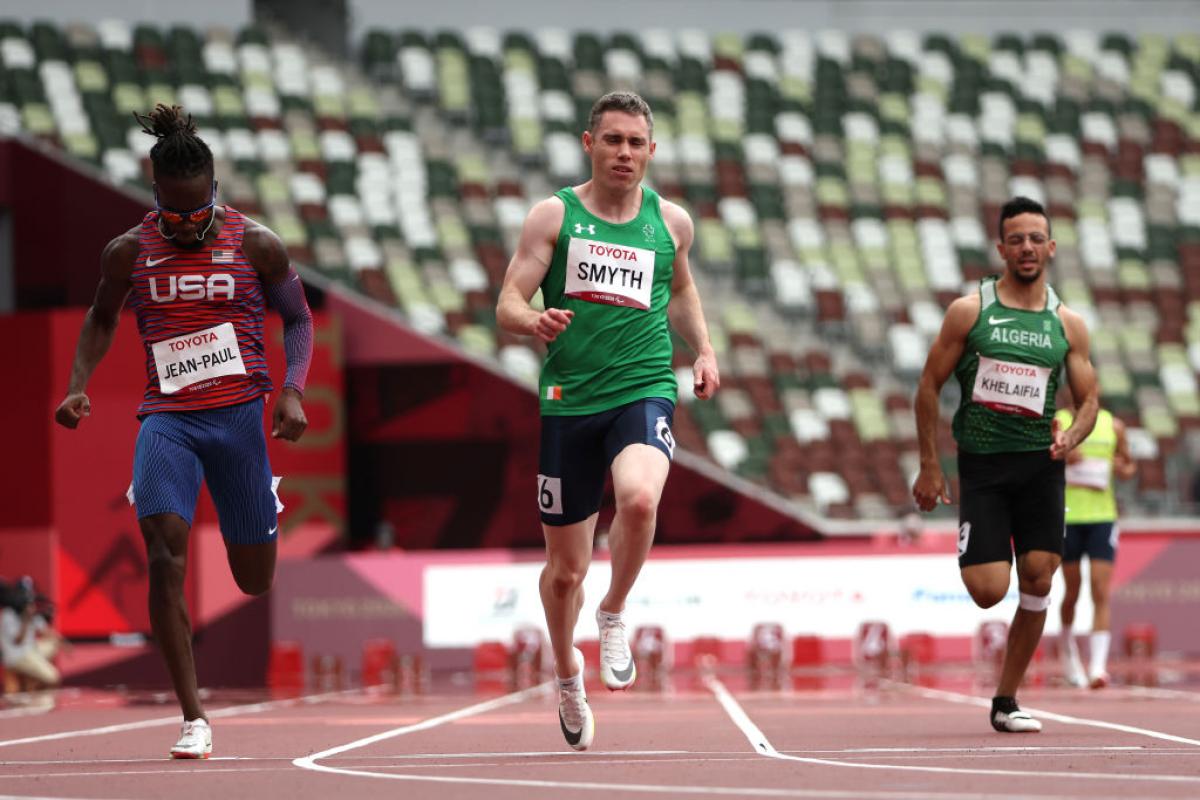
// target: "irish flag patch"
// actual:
[[554, 393]]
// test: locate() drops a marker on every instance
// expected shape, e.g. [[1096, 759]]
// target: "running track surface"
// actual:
[[706, 739]]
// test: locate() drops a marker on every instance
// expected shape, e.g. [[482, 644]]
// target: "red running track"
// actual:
[[707, 740]]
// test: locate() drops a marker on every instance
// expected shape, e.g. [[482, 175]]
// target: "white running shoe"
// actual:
[[195, 740], [1017, 721], [617, 670], [574, 714], [1073, 671]]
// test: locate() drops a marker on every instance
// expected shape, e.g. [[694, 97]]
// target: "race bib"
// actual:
[[1011, 388], [611, 274], [196, 357], [1093, 473]]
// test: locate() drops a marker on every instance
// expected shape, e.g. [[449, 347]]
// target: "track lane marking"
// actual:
[[228, 711], [763, 746], [983, 702]]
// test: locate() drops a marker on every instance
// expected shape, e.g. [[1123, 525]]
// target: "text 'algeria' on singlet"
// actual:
[[616, 277], [200, 315], [1008, 374]]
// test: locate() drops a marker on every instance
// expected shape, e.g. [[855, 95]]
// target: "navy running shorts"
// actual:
[[576, 452], [226, 446], [1096, 540], [1009, 501]]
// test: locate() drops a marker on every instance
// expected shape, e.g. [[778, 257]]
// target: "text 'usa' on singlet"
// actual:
[[1008, 374], [616, 277], [200, 315]]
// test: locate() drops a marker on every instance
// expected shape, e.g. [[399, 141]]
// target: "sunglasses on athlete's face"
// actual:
[[198, 215]]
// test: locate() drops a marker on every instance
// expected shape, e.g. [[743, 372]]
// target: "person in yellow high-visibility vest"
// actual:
[[1092, 531]]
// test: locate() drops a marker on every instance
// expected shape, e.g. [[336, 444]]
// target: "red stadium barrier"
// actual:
[[379, 663], [285, 668]]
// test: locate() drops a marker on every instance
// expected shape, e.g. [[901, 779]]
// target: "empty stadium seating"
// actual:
[[845, 190]]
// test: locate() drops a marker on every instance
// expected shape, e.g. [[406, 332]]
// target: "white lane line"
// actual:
[[200, 770], [230, 711], [1159, 693], [983, 702], [309, 762], [763, 746], [552, 753], [31, 711]]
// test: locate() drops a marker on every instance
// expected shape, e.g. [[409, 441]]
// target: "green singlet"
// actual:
[[1008, 373], [616, 277]]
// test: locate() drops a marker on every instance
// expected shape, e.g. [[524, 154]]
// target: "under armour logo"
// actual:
[[580, 227]]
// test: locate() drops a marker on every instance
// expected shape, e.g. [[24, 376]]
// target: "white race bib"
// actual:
[[1094, 473], [199, 356], [611, 274], [1011, 388]]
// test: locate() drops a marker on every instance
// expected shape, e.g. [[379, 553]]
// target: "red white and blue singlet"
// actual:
[[200, 315]]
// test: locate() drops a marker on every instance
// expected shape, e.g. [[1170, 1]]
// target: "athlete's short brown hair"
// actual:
[[628, 102]]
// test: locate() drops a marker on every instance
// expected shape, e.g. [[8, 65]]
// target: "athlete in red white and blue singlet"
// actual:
[[181, 295], [200, 276]]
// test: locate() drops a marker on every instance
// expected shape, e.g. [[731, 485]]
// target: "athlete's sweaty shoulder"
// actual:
[[265, 251], [679, 223], [1074, 326], [961, 316], [119, 255], [545, 219]]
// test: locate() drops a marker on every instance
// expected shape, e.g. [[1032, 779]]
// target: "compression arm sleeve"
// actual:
[[287, 297]]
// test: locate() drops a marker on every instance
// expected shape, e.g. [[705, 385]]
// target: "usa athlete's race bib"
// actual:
[[1092, 473], [196, 357], [611, 274], [1011, 388]]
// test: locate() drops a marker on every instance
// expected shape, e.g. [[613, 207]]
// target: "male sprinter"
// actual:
[[1092, 531], [608, 255], [199, 274], [1006, 345]]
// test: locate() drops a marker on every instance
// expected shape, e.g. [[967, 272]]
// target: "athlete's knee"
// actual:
[[987, 596], [638, 505], [1038, 585], [565, 573], [253, 585], [166, 560]]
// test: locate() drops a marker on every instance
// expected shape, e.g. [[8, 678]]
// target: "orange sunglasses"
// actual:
[[197, 215]]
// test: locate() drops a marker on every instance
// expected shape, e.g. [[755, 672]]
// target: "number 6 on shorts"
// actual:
[[550, 494]]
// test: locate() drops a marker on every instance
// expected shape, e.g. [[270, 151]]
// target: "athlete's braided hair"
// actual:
[[179, 152]]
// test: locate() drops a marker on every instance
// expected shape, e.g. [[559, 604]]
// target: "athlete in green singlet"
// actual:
[[1006, 344], [608, 256]]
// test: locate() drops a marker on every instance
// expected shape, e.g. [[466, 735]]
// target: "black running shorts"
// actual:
[[576, 452], [1096, 540], [1009, 501]]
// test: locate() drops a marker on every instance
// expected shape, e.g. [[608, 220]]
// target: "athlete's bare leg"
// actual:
[[1101, 580], [166, 537], [1072, 579], [568, 555], [987, 583], [639, 473], [252, 565], [1035, 570]]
